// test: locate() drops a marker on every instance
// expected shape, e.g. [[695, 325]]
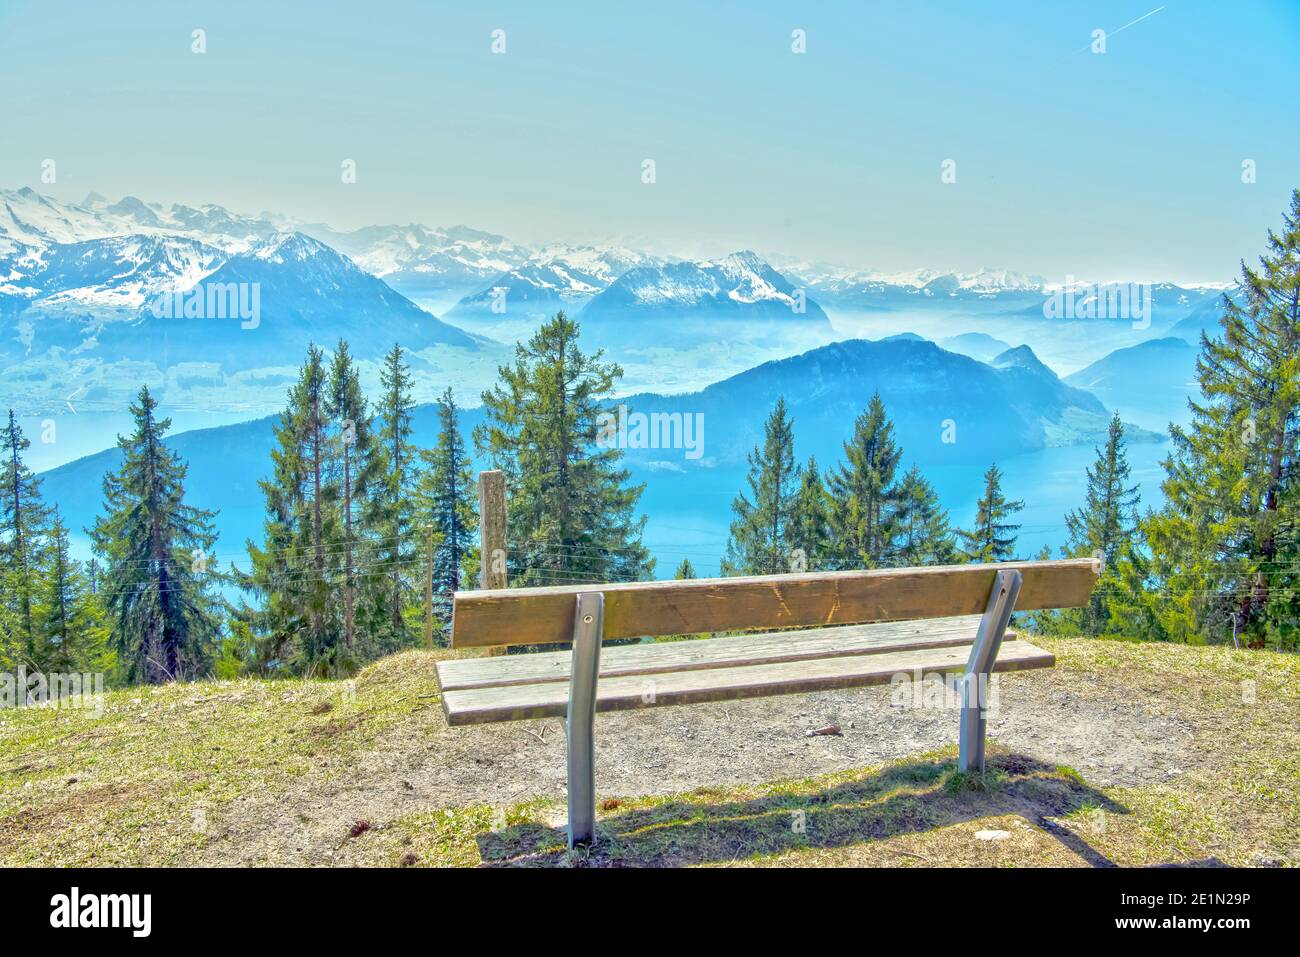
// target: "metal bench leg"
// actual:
[[983, 655], [588, 625]]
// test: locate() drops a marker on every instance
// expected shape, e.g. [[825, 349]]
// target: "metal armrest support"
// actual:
[[588, 626], [983, 655]]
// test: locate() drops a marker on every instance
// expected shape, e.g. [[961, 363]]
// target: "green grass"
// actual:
[[138, 785]]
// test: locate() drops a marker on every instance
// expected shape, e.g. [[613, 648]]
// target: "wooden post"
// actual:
[[492, 533], [428, 588]]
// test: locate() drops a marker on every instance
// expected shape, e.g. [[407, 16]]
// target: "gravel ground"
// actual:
[[1053, 716]]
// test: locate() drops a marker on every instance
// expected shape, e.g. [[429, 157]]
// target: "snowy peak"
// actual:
[[136, 210], [238, 232], [29, 220], [295, 247], [557, 276], [740, 285], [983, 281], [999, 280], [119, 272], [449, 257]]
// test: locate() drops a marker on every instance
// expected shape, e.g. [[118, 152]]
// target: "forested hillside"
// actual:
[[356, 517]]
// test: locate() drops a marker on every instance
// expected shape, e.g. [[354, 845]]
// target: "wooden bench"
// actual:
[[840, 630]]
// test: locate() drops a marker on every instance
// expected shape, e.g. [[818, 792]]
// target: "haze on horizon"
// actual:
[[1122, 164]]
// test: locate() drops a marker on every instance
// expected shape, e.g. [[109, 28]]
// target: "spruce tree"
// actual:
[[864, 494], [22, 534], [72, 637], [572, 511], [295, 570], [761, 540], [357, 476], [163, 616], [447, 499], [923, 535], [993, 538], [811, 528], [685, 570], [399, 538], [1105, 529], [1223, 546]]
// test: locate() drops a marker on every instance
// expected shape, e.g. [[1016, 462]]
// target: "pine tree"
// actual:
[[357, 476], [761, 541], [447, 502], [923, 535], [572, 513], [811, 528], [24, 517], [295, 570], [993, 539], [1224, 545], [1105, 529], [864, 494], [685, 570], [399, 538], [163, 618], [71, 632]]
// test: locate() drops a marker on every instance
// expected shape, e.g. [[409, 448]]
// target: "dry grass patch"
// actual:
[[139, 784], [286, 771]]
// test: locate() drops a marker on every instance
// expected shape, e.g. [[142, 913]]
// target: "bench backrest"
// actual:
[[530, 616]]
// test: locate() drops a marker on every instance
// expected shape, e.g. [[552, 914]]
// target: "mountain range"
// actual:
[[739, 286], [78, 282], [947, 409], [556, 277]]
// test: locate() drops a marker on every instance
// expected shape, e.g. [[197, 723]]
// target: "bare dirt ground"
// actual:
[[1111, 736]]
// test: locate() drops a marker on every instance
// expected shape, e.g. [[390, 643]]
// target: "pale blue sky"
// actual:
[[1125, 165]]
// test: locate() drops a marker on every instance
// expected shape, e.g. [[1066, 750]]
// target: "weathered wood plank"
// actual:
[[492, 528], [492, 534], [550, 699], [832, 642], [525, 616]]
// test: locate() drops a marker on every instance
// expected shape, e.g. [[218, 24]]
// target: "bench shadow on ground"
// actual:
[[906, 798]]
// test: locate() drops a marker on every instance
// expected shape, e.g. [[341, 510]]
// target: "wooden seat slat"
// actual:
[[549, 699], [524, 616], [765, 648]]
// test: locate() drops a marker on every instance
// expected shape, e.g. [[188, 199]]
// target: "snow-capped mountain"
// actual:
[[306, 291], [556, 277], [420, 260], [854, 288], [327, 295], [170, 310], [739, 286], [30, 221], [115, 273], [77, 280]]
